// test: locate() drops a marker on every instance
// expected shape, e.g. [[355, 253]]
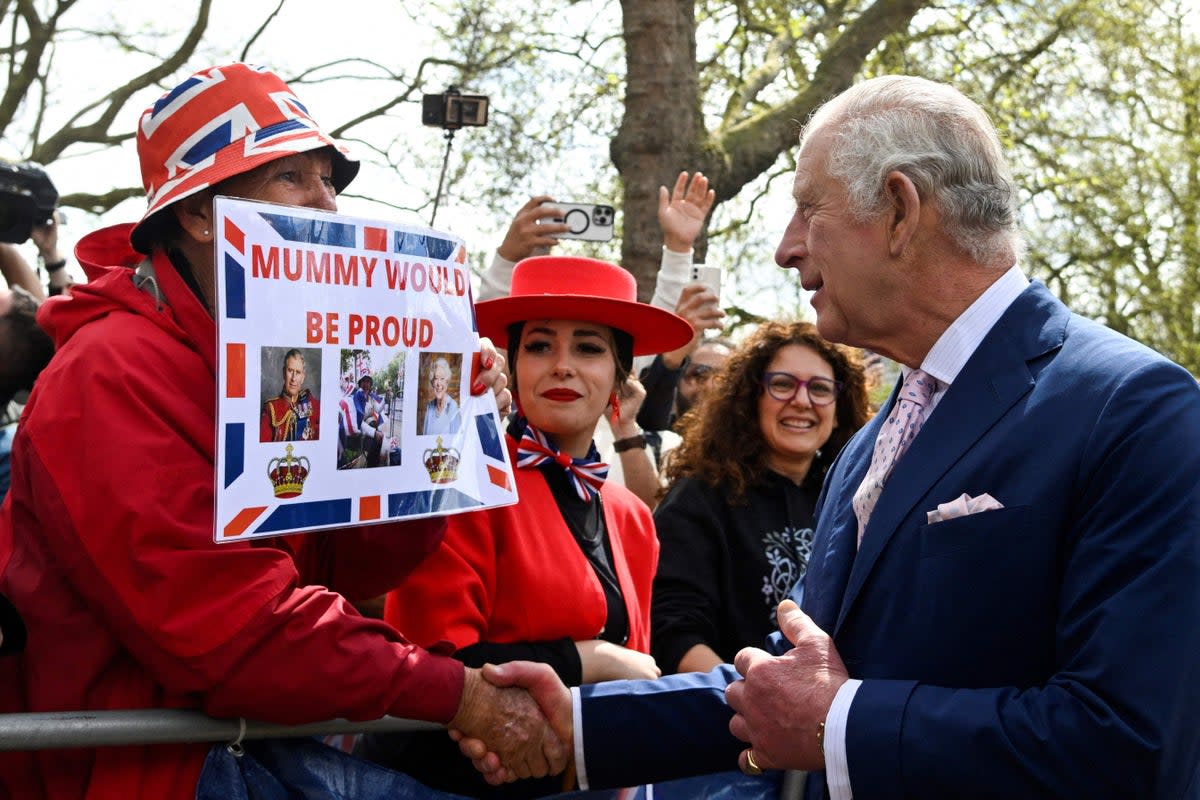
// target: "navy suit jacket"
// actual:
[[1050, 648]]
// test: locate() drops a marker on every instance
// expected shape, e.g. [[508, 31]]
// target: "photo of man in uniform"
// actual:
[[294, 415]]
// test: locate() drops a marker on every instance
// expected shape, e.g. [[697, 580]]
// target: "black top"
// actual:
[[723, 569], [11, 628], [658, 408]]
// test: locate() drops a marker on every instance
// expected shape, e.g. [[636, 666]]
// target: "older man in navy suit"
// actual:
[[1003, 598]]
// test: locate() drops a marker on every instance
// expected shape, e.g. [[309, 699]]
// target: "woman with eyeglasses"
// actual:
[[735, 526]]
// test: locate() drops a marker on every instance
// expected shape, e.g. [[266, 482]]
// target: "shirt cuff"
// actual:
[[577, 727], [837, 770], [676, 264], [674, 272]]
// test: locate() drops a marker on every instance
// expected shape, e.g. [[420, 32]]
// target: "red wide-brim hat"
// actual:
[[585, 289]]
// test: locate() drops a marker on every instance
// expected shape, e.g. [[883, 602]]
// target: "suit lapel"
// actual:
[[995, 377]]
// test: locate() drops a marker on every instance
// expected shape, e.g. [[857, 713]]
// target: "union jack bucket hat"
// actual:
[[218, 123]]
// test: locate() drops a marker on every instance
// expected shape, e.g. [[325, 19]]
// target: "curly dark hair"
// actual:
[[723, 445]]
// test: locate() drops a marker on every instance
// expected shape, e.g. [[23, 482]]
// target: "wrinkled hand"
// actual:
[[527, 232], [781, 700], [623, 419], [552, 698], [487, 371], [506, 724], [701, 307], [607, 661], [681, 212]]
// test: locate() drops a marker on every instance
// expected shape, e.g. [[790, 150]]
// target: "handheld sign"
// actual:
[[345, 348]]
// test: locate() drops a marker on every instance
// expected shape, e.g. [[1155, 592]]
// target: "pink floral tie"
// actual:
[[897, 433]]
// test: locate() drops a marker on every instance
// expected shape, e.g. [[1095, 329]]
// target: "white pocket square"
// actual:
[[961, 506]]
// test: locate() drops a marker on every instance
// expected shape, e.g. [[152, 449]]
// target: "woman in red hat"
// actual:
[[562, 577], [127, 600]]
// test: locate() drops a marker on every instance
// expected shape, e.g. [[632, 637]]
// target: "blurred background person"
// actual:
[[29, 211], [564, 576], [25, 349], [735, 527], [681, 214], [708, 357]]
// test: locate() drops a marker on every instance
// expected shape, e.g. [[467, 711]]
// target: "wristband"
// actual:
[[54, 266], [631, 443]]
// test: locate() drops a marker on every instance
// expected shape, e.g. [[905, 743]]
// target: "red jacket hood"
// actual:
[[108, 260]]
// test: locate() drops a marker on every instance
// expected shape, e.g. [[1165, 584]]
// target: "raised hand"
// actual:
[[630, 397], [527, 234], [782, 700], [681, 212]]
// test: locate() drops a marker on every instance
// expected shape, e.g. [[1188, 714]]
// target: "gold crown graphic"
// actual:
[[287, 474], [441, 463]]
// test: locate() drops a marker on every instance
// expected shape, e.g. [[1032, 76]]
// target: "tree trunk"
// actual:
[[662, 125], [663, 129]]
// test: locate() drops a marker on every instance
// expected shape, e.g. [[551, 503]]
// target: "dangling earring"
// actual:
[[615, 402]]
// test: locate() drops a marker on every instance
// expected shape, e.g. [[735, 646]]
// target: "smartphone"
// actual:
[[709, 276], [589, 222]]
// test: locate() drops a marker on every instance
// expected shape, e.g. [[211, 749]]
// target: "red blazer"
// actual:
[[516, 573]]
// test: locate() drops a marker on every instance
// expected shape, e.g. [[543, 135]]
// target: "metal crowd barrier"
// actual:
[[61, 729]]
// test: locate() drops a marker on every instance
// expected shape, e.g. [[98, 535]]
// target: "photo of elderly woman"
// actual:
[[442, 375]]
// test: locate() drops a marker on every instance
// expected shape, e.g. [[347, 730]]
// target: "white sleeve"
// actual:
[[674, 272], [497, 279], [837, 770]]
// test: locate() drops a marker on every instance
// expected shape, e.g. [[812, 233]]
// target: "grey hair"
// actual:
[[942, 141], [439, 362]]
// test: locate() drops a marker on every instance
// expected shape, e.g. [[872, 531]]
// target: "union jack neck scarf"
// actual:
[[587, 474]]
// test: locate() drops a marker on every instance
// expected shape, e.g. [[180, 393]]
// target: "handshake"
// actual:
[[514, 721]]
